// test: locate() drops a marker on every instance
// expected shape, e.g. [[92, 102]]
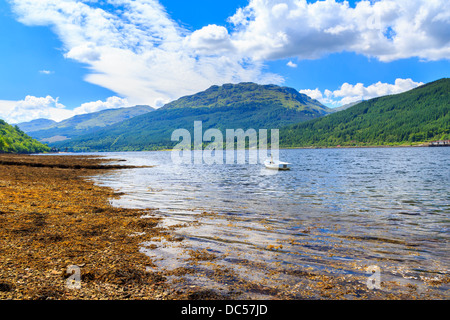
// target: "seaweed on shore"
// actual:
[[52, 218]]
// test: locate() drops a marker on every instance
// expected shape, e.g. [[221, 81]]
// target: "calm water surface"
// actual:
[[336, 212]]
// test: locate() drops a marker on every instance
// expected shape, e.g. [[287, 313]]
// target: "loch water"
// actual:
[[336, 212]]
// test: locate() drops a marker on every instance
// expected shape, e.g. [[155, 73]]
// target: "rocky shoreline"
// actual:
[[52, 218]]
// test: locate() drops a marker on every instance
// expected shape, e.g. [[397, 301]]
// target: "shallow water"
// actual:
[[337, 211]]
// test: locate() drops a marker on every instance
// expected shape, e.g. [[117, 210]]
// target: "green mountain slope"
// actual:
[[231, 106], [85, 123], [416, 116], [14, 140], [245, 94]]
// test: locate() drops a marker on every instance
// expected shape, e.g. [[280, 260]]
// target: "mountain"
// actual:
[[14, 140], [412, 117], [35, 125], [345, 106], [81, 124], [231, 106], [245, 94]]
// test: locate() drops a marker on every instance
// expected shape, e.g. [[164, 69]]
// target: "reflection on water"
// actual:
[[336, 212]]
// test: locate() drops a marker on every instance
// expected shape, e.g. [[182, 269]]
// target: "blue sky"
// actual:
[[64, 58], [26, 51]]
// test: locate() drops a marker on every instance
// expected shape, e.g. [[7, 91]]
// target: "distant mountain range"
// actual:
[[36, 125], [50, 131], [413, 117], [231, 106], [417, 116]]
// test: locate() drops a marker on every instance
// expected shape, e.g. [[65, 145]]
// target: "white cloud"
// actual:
[[385, 29], [349, 93], [134, 49], [292, 64], [95, 106], [86, 52], [313, 93], [32, 108], [47, 72], [5, 108], [210, 40]]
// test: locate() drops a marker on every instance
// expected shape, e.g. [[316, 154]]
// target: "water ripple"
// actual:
[[335, 208]]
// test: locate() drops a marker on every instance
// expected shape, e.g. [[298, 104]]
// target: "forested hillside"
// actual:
[[14, 140], [413, 117]]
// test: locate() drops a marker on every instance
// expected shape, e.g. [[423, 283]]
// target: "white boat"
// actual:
[[277, 165]]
